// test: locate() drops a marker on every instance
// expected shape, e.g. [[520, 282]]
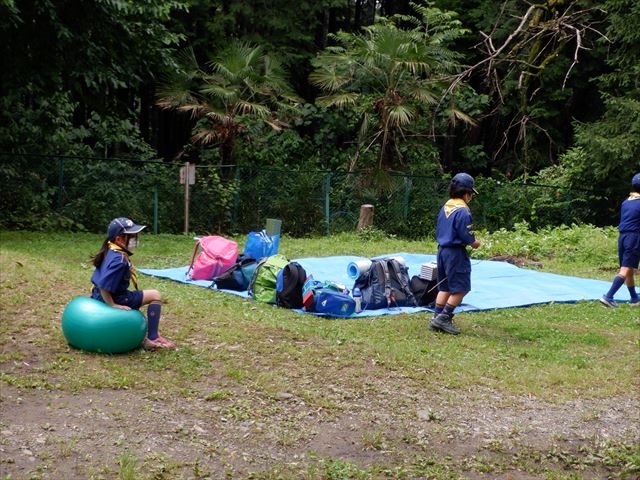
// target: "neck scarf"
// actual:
[[454, 204], [126, 253], [634, 196]]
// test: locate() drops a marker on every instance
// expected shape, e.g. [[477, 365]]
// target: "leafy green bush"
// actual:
[[581, 243]]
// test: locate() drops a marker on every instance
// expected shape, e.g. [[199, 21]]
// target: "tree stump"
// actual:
[[366, 216]]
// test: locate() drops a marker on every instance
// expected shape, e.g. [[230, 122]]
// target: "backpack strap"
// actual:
[[398, 273], [296, 275], [302, 274], [387, 281], [193, 257], [252, 282]]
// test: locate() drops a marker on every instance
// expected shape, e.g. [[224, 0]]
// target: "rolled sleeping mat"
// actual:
[[358, 268]]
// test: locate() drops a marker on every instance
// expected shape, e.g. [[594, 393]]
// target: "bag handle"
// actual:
[[193, 257]]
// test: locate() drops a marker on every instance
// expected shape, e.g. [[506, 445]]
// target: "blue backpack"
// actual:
[[327, 298], [333, 303]]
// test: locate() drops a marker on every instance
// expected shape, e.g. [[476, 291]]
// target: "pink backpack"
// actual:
[[217, 255]]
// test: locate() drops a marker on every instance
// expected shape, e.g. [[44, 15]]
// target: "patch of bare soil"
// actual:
[[50, 434]]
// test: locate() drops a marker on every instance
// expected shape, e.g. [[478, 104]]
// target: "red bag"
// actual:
[[217, 255]]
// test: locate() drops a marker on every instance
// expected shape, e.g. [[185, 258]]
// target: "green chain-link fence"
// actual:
[[85, 193]]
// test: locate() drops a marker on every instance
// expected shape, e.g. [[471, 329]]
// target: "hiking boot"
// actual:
[[432, 327], [608, 302], [444, 323], [634, 302]]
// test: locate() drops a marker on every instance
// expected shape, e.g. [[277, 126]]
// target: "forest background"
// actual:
[[305, 111]]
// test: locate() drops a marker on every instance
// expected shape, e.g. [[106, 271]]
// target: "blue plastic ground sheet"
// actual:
[[493, 284]]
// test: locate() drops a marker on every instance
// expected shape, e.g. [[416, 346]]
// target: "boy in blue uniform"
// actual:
[[114, 273], [628, 246], [454, 231]]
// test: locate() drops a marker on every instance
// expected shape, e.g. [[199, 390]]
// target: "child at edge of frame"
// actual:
[[628, 247], [454, 232], [114, 273]]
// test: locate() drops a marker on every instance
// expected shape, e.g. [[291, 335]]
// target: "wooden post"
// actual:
[[366, 216], [186, 198]]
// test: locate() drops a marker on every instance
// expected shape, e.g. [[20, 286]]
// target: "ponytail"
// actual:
[[99, 257]]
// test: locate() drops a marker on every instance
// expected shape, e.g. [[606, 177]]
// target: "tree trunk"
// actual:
[[366, 216]]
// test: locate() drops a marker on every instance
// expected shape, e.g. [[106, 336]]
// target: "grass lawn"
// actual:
[[258, 392]]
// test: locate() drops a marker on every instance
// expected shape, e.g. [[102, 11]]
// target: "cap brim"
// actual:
[[135, 229]]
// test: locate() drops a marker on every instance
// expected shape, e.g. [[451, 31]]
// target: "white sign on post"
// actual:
[[191, 174]]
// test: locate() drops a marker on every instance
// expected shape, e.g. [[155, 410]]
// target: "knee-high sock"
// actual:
[[632, 292], [615, 286], [153, 320], [448, 309]]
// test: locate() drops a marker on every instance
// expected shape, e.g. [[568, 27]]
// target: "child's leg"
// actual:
[[629, 281], [154, 311], [453, 301], [441, 301], [617, 282]]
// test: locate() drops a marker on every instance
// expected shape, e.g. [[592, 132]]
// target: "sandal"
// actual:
[[165, 343], [157, 344]]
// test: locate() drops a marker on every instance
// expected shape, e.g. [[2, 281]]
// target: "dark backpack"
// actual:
[[424, 291], [385, 284], [238, 276], [289, 283]]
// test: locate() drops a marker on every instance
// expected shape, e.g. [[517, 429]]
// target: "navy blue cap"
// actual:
[[122, 226], [465, 181], [635, 181]]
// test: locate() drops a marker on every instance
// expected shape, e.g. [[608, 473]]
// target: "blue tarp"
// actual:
[[493, 284]]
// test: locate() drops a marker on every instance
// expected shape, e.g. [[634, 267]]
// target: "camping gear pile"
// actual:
[[269, 277]]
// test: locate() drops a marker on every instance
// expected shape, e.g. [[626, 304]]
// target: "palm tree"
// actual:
[[394, 76], [242, 82]]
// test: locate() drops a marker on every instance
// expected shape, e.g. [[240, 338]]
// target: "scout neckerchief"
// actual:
[[126, 253], [454, 204], [634, 196]]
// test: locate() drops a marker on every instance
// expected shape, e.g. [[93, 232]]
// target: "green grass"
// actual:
[[554, 352]]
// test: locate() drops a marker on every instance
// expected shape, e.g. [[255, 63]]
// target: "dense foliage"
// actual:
[[513, 92]]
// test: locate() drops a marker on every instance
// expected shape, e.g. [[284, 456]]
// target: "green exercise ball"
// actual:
[[92, 325]]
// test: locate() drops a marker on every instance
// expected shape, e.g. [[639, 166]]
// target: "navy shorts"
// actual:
[[132, 298], [454, 270], [629, 249]]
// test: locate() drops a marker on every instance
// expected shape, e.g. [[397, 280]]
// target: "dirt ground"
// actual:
[[50, 434]]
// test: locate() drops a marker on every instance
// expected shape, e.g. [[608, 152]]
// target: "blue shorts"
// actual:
[[629, 249], [131, 298], [454, 270]]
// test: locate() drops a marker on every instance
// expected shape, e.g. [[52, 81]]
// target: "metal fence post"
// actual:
[[327, 200], [60, 181], [155, 209], [406, 197]]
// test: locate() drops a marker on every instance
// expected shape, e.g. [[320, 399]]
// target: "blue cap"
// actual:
[[122, 226], [635, 181], [465, 181]]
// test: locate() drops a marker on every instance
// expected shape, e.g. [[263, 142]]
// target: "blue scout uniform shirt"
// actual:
[[113, 275], [630, 214], [454, 224]]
